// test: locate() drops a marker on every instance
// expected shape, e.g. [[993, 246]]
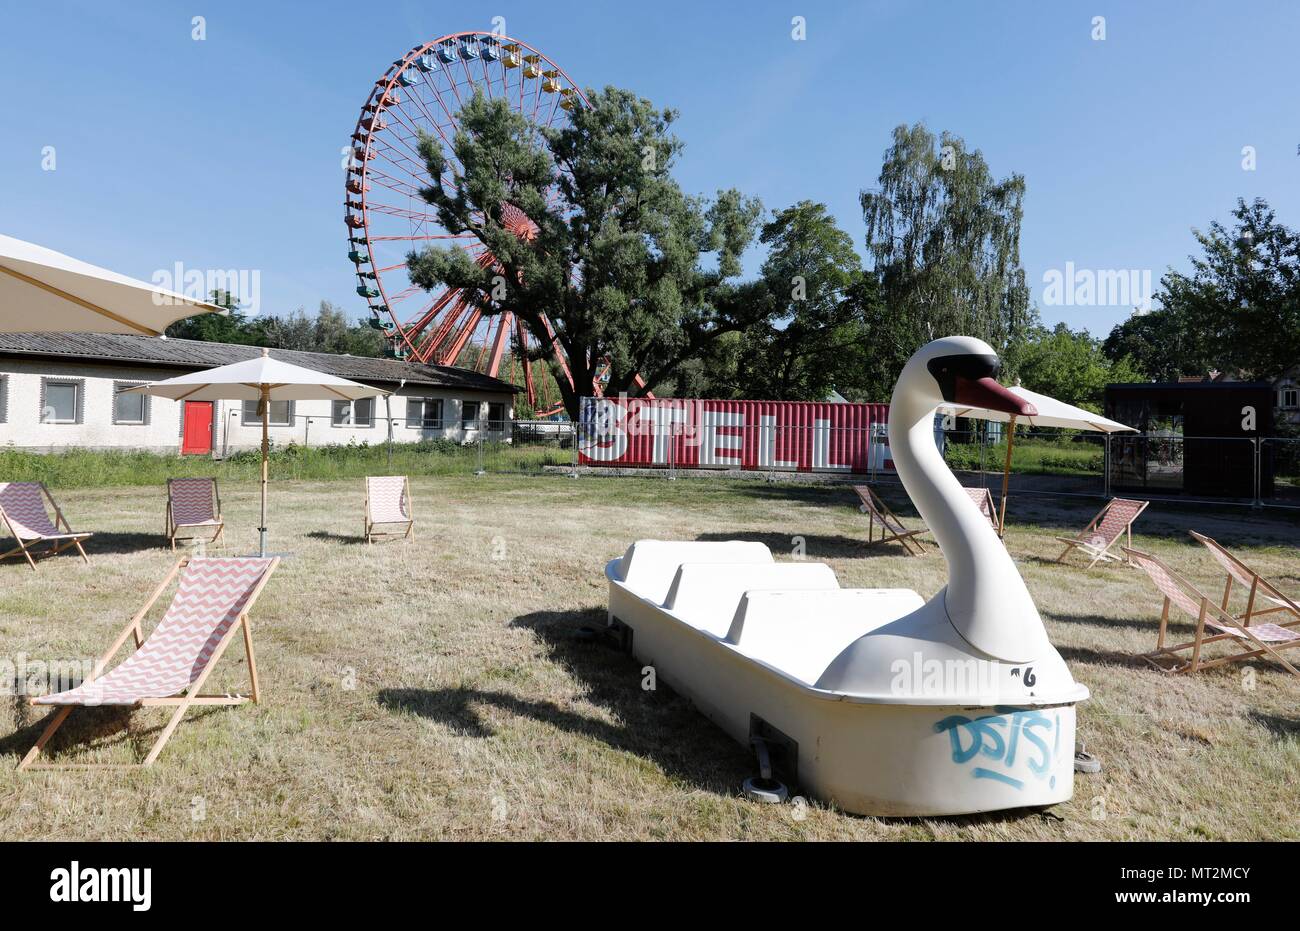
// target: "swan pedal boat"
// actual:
[[874, 700]]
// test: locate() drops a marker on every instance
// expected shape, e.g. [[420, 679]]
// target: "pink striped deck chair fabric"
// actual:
[[194, 510], [1103, 531], [212, 598], [1254, 640], [1257, 587], [388, 502], [23, 513], [983, 499], [892, 529]]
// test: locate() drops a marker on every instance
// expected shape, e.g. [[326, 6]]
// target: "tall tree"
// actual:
[[597, 248], [1238, 310], [329, 331], [230, 327], [813, 339], [944, 237], [1070, 365]]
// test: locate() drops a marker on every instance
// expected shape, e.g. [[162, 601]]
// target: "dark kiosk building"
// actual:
[[1198, 438]]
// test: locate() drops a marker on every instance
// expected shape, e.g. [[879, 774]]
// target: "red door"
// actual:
[[196, 434]]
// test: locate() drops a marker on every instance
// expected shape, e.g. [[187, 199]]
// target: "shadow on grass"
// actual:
[[818, 494], [86, 729], [1280, 727], [658, 726], [1151, 626], [1102, 657], [815, 545], [103, 543], [331, 537]]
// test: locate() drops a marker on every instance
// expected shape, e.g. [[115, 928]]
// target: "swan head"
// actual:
[[957, 370]]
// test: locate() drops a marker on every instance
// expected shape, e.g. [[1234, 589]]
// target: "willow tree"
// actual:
[[943, 236], [598, 250]]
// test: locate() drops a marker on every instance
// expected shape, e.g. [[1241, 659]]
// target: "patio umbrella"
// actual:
[[260, 379], [43, 291], [1051, 413]]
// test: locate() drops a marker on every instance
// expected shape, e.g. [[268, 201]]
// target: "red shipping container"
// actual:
[[796, 436]]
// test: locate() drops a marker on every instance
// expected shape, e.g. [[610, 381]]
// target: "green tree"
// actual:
[[597, 248], [944, 238], [230, 327], [1071, 366], [813, 338], [329, 331], [1238, 310]]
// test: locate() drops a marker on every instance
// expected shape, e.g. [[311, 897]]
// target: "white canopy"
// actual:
[[1051, 413], [255, 379], [43, 291], [259, 379]]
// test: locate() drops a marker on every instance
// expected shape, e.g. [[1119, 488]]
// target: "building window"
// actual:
[[281, 414], [129, 408], [1290, 398], [62, 400], [496, 416], [4, 398], [424, 413], [468, 414], [358, 413]]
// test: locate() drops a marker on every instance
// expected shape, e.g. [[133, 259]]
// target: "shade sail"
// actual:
[[43, 291], [1051, 413]]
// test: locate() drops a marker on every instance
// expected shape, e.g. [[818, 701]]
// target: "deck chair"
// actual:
[[1258, 588], [891, 528], [983, 499], [1104, 530], [211, 605], [388, 503], [22, 511], [1249, 641], [194, 510]]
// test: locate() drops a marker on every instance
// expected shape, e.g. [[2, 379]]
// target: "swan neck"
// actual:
[[986, 599]]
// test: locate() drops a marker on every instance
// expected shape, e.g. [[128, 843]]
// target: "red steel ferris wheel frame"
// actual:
[[441, 331]]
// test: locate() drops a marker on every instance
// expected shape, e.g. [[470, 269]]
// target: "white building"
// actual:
[[59, 391], [1287, 386]]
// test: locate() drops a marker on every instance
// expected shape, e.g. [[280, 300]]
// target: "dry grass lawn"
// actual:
[[440, 690]]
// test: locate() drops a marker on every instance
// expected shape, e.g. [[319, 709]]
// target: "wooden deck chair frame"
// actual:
[[175, 530], [182, 703], [1260, 587], [983, 499], [1239, 632], [69, 538], [891, 528], [1105, 553], [372, 534]]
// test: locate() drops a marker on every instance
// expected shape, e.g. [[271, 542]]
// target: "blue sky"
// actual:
[[225, 153]]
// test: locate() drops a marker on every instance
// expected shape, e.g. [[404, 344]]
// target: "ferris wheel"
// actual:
[[386, 217]]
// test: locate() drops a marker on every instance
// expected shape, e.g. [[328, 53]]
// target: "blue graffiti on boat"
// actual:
[[999, 739]]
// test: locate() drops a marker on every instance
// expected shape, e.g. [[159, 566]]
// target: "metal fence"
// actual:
[[1246, 471], [478, 446]]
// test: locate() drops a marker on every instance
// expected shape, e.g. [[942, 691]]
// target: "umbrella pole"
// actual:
[[266, 451], [1006, 476]]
